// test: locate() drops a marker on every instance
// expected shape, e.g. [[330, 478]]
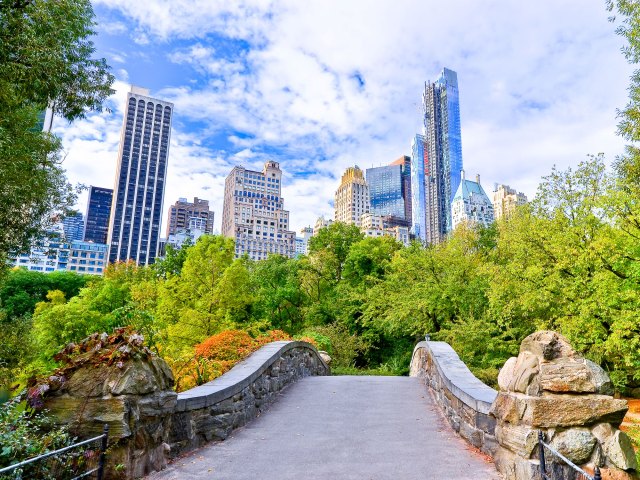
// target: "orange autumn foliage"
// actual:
[[225, 346], [219, 353]]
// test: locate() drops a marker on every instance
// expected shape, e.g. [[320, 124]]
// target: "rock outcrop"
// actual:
[[549, 387], [114, 379]]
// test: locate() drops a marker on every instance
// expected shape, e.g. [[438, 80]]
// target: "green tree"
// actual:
[[279, 297], [45, 59], [22, 289], [173, 260], [57, 322], [565, 265], [333, 244], [211, 294]]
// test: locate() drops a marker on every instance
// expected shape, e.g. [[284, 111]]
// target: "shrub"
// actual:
[[216, 355], [321, 342], [25, 434], [271, 336], [227, 345], [345, 347]]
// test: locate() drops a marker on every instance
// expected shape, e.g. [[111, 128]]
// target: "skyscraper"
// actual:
[[254, 215], [420, 183], [139, 190], [96, 226], [442, 158], [386, 190], [352, 197], [182, 211], [73, 227], [405, 162]]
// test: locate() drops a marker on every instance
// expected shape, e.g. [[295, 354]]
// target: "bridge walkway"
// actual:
[[340, 428]]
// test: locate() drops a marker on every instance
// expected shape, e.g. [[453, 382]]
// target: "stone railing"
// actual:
[[211, 411], [466, 401], [149, 423], [548, 390]]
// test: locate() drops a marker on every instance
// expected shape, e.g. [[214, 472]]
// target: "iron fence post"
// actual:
[[543, 467], [596, 474], [103, 450]]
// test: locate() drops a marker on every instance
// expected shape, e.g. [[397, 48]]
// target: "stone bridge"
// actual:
[[439, 423]]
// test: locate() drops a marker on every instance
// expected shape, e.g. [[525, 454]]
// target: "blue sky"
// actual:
[[321, 85]]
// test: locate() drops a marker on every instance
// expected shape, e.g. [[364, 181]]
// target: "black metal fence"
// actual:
[[84, 459], [556, 466]]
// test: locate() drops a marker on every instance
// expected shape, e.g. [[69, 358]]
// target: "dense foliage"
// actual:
[[568, 262], [25, 434], [45, 60]]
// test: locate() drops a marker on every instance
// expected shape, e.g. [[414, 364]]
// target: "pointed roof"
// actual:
[[467, 188]]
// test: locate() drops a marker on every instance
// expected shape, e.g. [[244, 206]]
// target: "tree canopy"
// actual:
[[45, 60]]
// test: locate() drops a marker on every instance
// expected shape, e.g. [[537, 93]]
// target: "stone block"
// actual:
[[89, 382], [486, 423], [489, 444], [620, 451], [552, 411], [576, 444], [519, 439], [158, 404], [603, 432], [471, 434], [505, 462], [92, 414], [524, 372], [468, 415], [547, 344], [505, 377], [136, 378], [574, 375]]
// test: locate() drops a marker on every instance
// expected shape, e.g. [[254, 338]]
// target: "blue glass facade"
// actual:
[[444, 150], [138, 196], [419, 176], [73, 227], [96, 226], [452, 138], [386, 190]]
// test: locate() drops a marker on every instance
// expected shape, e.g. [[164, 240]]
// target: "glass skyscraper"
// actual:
[[450, 125], [142, 168], [442, 160], [385, 190], [96, 226], [73, 227], [390, 190], [419, 177]]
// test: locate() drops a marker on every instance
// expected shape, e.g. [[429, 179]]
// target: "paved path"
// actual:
[[340, 428]]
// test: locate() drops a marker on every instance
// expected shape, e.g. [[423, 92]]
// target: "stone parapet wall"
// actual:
[[466, 401], [211, 411], [149, 423]]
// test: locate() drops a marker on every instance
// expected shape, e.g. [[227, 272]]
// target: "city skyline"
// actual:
[[530, 97]]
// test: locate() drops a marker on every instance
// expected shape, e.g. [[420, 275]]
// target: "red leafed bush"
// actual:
[[227, 345]]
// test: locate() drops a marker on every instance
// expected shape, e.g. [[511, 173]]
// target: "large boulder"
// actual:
[[552, 389], [620, 451], [114, 380]]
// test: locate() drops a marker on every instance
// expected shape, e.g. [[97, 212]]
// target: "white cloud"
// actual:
[[539, 84]]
